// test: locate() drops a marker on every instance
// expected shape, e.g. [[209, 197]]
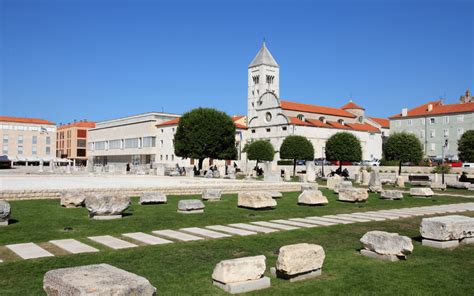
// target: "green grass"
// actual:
[[186, 268]]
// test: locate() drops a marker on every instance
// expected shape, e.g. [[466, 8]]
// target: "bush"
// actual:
[[295, 148], [343, 146], [260, 150], [403, 147], [440, 169]]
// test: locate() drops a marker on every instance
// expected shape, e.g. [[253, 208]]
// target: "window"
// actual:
[[361, 119], [300, 117], [433, 146], [166, 157], [268, 130], [422, 121], [341, 121], [5, 139], [270, 79], [253, 131], [100, 145], [172, 157], [82, 133], [81, 152], [446, 119], [432, 133], [82, 143], [256, 79], [113, 144], [131, 143], [172, 129], [162, 130], [149, 141], [460, 118], [268, 117], [410, 122], [5, 149], [432, 120], [20, 149], [20, 139], [48, 140], [48, 150], [284, 128], [446, 133], [34, 151], [161, 143]]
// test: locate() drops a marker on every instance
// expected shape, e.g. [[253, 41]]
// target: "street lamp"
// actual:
[[442, 159], [322, 163]]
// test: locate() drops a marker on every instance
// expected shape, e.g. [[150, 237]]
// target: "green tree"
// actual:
[[466, 146], [205, 133], [260, 150], [403, 147], [296, 148], [343, 146]]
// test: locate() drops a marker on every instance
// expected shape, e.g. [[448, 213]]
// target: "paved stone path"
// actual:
[[167, 236]]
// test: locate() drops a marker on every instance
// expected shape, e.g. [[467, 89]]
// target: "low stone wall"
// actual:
[[184, 190]]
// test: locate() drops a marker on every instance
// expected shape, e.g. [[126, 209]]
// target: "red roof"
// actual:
[[86, 124], [286, 105], [351, 105], [384, 122], [438, 109], [175, 121], [363, 127], [25, 120]]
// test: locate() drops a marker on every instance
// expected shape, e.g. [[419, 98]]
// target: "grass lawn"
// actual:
[[186, 268]]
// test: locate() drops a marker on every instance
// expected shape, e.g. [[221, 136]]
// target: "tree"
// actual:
[[260, 150], [296, 148], [205, 133], [403, 147], [343, 146], [466, 146]]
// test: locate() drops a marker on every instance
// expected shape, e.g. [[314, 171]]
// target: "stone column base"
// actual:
[[370, 254], [451, 244], [296, 277]]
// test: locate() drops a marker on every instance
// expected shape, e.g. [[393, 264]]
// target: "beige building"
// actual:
[[28, 140], [71, 141]]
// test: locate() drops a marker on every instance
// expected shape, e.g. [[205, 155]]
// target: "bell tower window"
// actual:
[[256, 79], [270, 79]]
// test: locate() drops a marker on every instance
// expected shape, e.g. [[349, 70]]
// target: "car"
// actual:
[[321, 161], [374, 162], [468, 165], [301, 162]]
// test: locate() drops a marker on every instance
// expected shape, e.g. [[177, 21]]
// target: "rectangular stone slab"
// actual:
[[345, 218], [451, 244], [309, 221], [231, 230], [246, 286], [205, 232], [294, 223], [147, 238], [275, 225], [362, 216], [73, 246], [253, 227], [384, 217], [354, 216], [29, 251], [330, 220], [177, 235], [112, 242]]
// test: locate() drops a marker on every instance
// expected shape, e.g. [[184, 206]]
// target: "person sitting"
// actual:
[[196, 171], [463, 177]]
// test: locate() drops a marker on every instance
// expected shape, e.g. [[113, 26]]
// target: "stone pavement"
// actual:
[[168, 236]]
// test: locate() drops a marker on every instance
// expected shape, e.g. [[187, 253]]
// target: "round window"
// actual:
[[268, 117]]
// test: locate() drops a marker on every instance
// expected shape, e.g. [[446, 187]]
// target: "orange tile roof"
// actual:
[[25, 120], [384, 122], [338, 125], [364, 127], [175, 121], [86, 124], [318, 123], [438, 109], [297, 121], [286, 105], [351, 105]]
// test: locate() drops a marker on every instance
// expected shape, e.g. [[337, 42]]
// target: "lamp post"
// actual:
[[322, 163], [442, 159]]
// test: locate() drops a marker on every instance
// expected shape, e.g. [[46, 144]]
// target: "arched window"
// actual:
[[322, 119], [300, 116], [361, 119], [341, 121]]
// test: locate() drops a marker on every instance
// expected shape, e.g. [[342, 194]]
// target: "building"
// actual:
[[437, 125], [273, 119], [71, 141], [28, 140], [124, 140]]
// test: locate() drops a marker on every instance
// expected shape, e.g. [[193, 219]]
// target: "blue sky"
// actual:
[[97, 60]]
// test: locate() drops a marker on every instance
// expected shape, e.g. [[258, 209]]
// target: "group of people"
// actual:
[[343, 173]]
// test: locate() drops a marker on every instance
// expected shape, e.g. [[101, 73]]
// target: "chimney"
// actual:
[[430, 107], [405, 112]]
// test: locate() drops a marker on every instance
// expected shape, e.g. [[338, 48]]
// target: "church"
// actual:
[[148, 138], [271, 118]]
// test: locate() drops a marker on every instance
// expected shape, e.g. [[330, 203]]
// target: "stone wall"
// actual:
[[185, 190]]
